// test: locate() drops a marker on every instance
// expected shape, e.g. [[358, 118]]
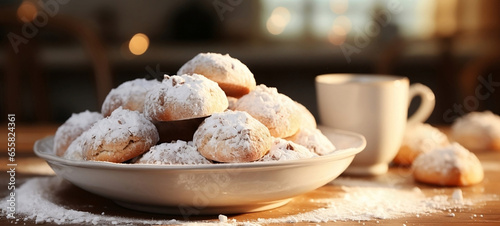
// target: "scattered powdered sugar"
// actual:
[[358, 200], [177, 152], [365, 200], [457, 196], [34, 203]]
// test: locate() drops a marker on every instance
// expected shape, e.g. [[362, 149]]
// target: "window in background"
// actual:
[[282, 19], [335, 20]]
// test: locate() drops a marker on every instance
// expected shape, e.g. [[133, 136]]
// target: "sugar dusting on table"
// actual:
[[360, 200]]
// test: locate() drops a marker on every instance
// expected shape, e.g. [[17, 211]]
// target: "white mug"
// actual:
[[375, 106]]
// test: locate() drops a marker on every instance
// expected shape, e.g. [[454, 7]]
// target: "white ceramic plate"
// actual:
[[206, 189]]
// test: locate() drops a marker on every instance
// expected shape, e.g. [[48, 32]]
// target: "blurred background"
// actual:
[[60, 56]]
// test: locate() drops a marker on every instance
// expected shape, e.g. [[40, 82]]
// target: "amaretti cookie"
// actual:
[[452, 165], [477, 131], [282, 149], [174, 153], [184, 97], [276, 111], [419, 138], [232, 76], [122, 136], [129, 95], [72, 129], [232, 136]]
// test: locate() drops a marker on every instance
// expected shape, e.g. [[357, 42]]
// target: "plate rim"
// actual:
[[336, 155]]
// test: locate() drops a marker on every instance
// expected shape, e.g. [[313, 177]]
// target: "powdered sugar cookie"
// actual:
[[232, 76], [452, 165], [232, 136], [419, 138], [184, 97], [129, 95], [307, 119], [276, 111], [477, 131], [177, 152], [282, 149], [73, 128], [75, 149], [231, 102], [122, 136], [314, 140]]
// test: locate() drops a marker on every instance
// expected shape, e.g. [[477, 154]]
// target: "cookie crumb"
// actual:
[[222, 218]]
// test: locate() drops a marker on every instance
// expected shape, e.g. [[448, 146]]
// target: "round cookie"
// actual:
[[184, 97], [176, 152], [73, 128], [477, 131], [232, 76], [314, 140], [452, 165], [75, 150], [419, 138], [231, 102], [276, 111], [122, 136], [282, 149], [307, 119], [232, 136], [129, 95]]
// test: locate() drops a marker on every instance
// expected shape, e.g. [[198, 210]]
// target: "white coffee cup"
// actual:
[[375, 106]]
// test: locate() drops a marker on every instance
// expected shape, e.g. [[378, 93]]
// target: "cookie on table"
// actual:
[[419, 138], [452, 165], [276, 111], [72, 129], [477, 131], [232, 76], [232, 136]]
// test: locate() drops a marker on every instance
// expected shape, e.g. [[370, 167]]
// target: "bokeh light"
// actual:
[[278, 20], [27, 11], [138, 44], [339, 6], [337, 35]]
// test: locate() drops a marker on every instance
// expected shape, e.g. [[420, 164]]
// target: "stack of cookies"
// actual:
[[235, 119]]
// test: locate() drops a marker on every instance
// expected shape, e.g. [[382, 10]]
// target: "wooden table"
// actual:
[[487, 213]]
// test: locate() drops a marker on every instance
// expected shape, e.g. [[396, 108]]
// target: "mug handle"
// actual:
[[426, 106]]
